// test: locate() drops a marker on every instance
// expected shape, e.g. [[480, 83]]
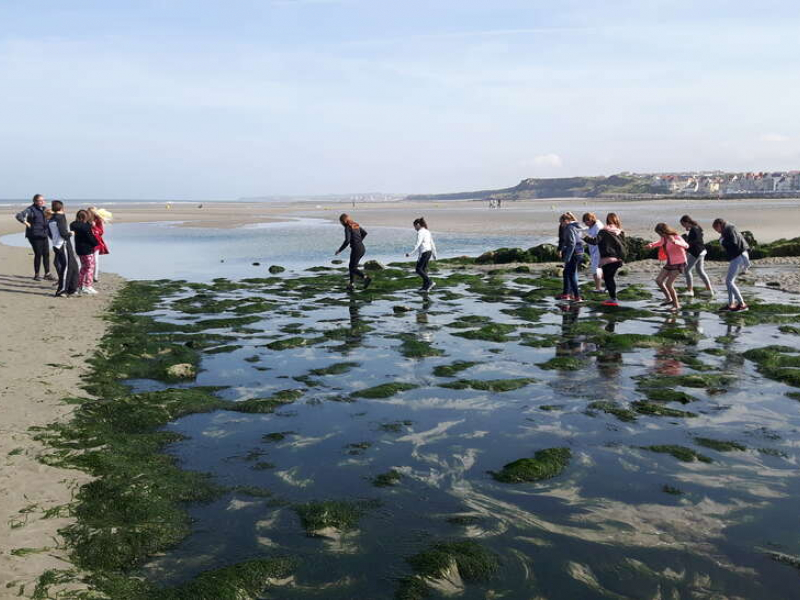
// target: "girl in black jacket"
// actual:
[[736, 248], [354, 236], [696, 255], [610, 242], [85, 243]]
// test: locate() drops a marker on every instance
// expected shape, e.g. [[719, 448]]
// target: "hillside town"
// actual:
[[719, 183]]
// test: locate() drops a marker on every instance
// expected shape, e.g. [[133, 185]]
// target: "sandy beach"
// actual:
[[47, 340]]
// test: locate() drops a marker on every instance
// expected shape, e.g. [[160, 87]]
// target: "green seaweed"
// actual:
[[545, 464], [719, 445], [655, 409], [668, 395], [668, 489], [341, 515], [266, 405], [563, 363], [395, 426], [612, 408], [385, 390], [388, 479], [276, 436], [489, 385], [682, 453], [453, 368], [334, 369], [416, 348], [473, 561], [494, 332]]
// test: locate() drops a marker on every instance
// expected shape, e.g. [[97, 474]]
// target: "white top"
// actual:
[[55, 234], [593, 231], [424, 243]]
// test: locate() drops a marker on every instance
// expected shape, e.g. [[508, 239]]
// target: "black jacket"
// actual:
[[609, 244], [353, 238], [38, 223], [694, 237], [85, 241], [733, 242], [61, 222]]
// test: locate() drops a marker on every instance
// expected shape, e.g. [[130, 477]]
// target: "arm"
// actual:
[[22, 217], [363, 234], [346, 240], [419, 242], [656, 244], [679, 241], [61, 221], [433, 249]]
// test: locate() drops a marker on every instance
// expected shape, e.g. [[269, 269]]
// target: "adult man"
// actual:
[[65, 262], [36, 231]]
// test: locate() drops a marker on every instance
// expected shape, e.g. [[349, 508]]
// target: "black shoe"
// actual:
[[49, 277], [37, 278], [349, 287], [58, 294], [367, 281]]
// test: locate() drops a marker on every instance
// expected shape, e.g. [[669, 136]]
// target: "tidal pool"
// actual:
[[681, 477]]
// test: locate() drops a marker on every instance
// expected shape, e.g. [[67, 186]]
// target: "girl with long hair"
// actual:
[[610, 245], [672, 249], [98, 217], [354, 236], [737, 250], [85, 243], [696, 255], [570, 246], [425, 249], [595, 226]]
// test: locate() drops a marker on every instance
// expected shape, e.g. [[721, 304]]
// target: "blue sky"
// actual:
[[202, 100]]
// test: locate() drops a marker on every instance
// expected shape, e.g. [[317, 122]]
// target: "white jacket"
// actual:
[[424, 243]]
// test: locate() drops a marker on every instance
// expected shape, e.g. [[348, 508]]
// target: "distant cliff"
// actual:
[[563, 187]]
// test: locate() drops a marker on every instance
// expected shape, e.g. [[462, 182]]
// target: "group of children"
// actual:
[[681, 255], [48, 226]]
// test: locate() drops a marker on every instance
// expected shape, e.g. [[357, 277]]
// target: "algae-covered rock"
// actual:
[[182, 371], [388, 479], [334, 369], [719, 445], [682, 453], [563, 363], [267, 405], [612, 408], [655, 409], [545, 464], [453, 368], [489, 385], [412, 347], [330, 518], [374, 265], [385, 390], [274, 269], [494, 332]]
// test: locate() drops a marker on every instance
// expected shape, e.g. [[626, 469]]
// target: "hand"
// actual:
[[336, 253], [407, 254]]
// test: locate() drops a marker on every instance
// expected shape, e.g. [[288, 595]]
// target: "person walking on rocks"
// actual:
[[737, 251], [64, 256], [610, 245], [672, 250], [570, 247], [696, 255], [36, 233], [595, 226], [425, 250], [354, 236]]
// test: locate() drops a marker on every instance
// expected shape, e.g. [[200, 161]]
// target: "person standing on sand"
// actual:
[[595, 226], [85, 243], [672, 249], [570, 247], [610, 245], [36, 233], [98, 217], [696, 255], [737, 250], [354, 236], [65, 263], [425, 250]]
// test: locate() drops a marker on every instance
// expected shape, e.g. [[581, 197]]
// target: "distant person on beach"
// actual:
[[98, 217], [85, 243], [354, 236], [64, 260], [696, 255], [425, 250], [36, 233], [609, 242], [671, 249], [737, 250], [570, 247], [595, 226]]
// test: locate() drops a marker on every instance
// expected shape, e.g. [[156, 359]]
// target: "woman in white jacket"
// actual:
[[425, 250]]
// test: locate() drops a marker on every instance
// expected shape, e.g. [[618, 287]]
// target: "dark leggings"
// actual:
[[41, 253], [67, 269], [356, 254], [422, 269], [609, 273]]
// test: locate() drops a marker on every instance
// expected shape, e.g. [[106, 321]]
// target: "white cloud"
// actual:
[[774, 138], [546, 160]]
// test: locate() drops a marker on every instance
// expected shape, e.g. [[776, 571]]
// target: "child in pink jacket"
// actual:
[[672, 248]]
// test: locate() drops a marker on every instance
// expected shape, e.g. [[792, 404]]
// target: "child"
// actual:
[[98, 217], [571, 250], [696, 255], [672, 249], [354, 236], [85, 243], [610, 246], [425, 250], [736, 249], [65, 263], [590, 220]]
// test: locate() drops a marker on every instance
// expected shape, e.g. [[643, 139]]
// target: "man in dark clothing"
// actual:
[[36, 231], [65, 262]]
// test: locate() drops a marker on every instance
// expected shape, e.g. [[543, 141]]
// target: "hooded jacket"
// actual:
[[34, 216], [610, 242], [733, 242], [694, 237], [58, 230], [674, 247], [570, 240], [85, 241]]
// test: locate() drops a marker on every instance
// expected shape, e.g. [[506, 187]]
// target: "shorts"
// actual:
[[679, 268], [594, 261]]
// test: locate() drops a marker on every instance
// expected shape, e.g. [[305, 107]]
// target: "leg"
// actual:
[[609, 276], [691, 261], [37, 255], [46, 256], [356, 254], [60, 263], [701, 271], [669, 284], [662, 276], [90, 271], [573, 275], [72, 271], [734, 294], [422, 269], [96, 264], [565, 279]]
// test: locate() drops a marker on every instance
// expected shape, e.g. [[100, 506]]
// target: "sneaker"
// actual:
[[610, 303], [577, 299], [688, 294], [431, 286], [349, 287], [49, 277], [666, 303], [37, 278], [367, 281], [725, 308], [741, 308], [564, 297], [90, 290]]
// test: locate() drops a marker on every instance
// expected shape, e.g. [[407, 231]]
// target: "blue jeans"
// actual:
[[738, 264], [571, 275]]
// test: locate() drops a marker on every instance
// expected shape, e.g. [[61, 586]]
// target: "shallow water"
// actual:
[[604, 527], [166, 250]]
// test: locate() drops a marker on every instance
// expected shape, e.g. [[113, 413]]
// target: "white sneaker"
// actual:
[[688, 294], [90, 290], [431, 286]]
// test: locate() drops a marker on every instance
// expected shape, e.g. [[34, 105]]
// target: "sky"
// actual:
[[200, 99]]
